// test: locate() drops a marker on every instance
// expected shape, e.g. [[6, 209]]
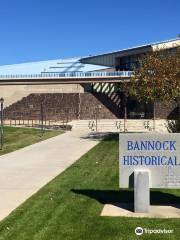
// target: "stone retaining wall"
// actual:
[[74, 106]]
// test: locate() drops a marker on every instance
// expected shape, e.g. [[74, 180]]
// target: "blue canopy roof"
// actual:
[[51, 66]]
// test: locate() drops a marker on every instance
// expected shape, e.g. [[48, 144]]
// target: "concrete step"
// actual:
[[110, 125]]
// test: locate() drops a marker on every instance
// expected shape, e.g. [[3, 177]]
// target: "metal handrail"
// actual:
[[69, 75]]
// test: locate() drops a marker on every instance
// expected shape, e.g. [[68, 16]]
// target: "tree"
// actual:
[[157, 78]]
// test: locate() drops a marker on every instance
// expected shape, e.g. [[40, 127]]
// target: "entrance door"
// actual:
[[137, 110]]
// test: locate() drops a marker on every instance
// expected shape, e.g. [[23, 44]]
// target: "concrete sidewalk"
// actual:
[[25, 171]]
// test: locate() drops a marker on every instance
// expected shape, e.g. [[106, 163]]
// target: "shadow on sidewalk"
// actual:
[[101, 136]]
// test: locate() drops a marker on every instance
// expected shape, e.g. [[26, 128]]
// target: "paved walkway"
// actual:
[[24, 172]]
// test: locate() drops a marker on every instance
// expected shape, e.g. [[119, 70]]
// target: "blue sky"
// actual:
[[33, 30]]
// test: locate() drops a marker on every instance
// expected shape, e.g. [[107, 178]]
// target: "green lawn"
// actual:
[[16, 137], [69, 207]]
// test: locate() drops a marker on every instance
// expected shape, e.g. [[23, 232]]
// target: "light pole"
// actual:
[[2, 130]]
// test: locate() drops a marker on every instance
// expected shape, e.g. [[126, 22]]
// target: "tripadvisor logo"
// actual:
[[139, 231]]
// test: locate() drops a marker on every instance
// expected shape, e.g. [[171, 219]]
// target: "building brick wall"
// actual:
[[166, 110], [58, 106], [12, 94]]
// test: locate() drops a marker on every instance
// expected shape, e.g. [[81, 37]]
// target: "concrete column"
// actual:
[[141, 191]]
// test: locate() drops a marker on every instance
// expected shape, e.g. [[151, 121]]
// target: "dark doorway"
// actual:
[[137, 110]]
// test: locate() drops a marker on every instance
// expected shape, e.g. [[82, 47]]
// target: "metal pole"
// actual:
[[67, 112], [154, 108], [125, 113], [96, 120], [42, 119], [154, 116], [2, 129]]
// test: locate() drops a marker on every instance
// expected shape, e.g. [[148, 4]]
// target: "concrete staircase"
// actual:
[[117, 125]]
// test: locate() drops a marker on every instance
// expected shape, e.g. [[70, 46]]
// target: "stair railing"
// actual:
[[118, 126], [147, 125], [91, 125]]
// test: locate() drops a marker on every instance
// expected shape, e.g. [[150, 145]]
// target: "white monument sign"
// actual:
[[159, 154]]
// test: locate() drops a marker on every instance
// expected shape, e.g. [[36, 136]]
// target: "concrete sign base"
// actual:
[[125, 210]]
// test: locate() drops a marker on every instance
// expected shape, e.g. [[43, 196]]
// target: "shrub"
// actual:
[[174, 126]]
